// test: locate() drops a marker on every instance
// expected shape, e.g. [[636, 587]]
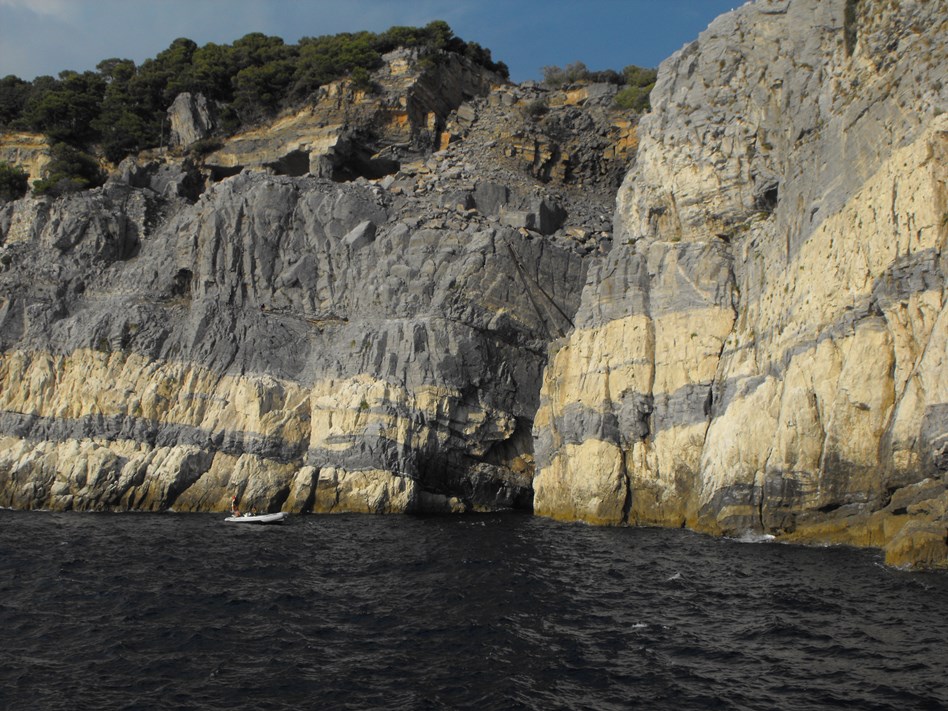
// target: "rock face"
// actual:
[[765, 348], [29, 151], [192, 118], [308, 344], [348, 132], [289, 334]]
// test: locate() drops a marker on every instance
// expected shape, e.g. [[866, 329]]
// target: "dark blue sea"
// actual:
[[183, 611]]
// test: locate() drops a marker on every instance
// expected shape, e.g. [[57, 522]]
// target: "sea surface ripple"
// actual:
[[183, 611]]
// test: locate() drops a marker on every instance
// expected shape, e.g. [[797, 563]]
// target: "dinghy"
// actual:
[[279, 517]]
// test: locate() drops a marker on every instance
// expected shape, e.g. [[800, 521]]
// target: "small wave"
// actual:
[[752, 537], [381, 612]]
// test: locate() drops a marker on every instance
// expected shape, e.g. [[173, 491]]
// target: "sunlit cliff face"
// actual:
[[764, 348]]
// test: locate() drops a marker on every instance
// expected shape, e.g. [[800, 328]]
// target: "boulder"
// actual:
[[192, 118]]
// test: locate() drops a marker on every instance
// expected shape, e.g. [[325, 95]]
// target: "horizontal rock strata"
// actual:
[[765, 348], [302, 343]]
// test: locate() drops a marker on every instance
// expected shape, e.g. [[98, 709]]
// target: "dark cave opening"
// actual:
[[766, 199]]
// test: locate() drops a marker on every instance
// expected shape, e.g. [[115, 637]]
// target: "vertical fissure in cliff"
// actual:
[[529, 285], [850, 26]]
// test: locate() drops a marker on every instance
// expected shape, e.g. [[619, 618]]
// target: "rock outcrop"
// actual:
[[28, 151], [348, 132], [765, 348], [314, 340], [192, 118], [306, 342]]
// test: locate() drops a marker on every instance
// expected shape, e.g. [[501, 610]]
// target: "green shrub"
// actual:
[[634, 98], [69, 171], [536, 108], [121, 108], [638, 85], [205, 146], [638, 76], [607, 76], [361, 79], [554, 76], [14, 182]]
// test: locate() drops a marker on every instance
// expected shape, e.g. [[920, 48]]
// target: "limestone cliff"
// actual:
[[766, 348], [353, 307], [306, 339]]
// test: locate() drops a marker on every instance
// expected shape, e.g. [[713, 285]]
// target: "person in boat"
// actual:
[[234, 511]]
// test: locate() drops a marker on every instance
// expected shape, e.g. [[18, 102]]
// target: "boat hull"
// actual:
[[260, 520]]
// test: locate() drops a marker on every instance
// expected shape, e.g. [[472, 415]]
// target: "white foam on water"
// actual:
[[753, 537]]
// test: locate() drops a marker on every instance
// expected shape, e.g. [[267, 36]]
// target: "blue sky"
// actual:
[[45, 36]]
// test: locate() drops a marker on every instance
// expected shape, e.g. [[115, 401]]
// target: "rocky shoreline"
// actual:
[[456, 294]]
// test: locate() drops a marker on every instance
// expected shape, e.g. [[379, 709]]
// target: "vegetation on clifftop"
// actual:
[[120, 108], [636, 82]]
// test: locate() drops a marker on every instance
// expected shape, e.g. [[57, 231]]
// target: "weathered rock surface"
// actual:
[[275, 325], [348, 132], [378, 346], [192, 118], [765, 347], [29, 151]]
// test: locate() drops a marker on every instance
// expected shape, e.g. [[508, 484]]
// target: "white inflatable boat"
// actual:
[[259, 518]]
